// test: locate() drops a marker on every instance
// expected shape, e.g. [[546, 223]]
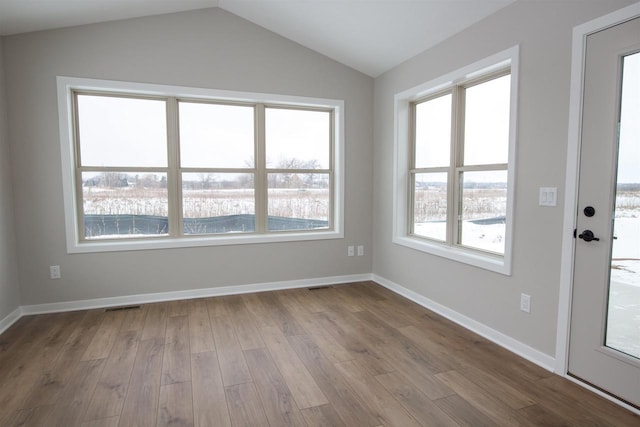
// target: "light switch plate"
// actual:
[[548, 196]]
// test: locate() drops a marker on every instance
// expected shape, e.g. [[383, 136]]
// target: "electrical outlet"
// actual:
[[350, 251], [360, 250], [525, 303], [54, 272]]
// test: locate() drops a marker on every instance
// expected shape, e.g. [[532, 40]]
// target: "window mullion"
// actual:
[[260, 177], [457, 132], [174, 179]]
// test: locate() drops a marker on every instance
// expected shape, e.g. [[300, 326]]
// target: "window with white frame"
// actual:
[[157, 166], [455, 151]]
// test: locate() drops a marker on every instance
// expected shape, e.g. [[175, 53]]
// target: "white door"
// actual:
[[604, 348]]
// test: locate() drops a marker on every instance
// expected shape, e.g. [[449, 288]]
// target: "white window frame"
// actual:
[[75, 244], [403, 151]]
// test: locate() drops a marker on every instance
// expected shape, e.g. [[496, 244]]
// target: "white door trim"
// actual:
[[580, 34]]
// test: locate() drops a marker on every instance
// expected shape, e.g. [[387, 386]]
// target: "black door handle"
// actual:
[[587, 236]]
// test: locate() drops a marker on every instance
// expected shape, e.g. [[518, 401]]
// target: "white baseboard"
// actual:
[[10, 319], [531, 354], [57, 307]]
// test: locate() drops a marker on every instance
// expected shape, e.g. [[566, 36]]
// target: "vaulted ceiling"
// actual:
[[371, 36]]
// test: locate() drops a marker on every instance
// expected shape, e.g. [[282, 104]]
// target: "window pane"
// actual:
[[486, 126], [297, 139], [433, 132], [430, 206], [214, 203], [298, 201], [122, 132], [121, 205], [216, 136], [484, 209]]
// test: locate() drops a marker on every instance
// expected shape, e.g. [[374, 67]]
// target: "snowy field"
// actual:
[[488, 237], [623, 326]]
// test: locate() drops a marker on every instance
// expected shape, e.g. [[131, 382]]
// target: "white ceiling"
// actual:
[[371, 36]]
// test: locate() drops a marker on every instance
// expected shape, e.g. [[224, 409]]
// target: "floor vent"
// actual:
[[317, 288], [127, 307]]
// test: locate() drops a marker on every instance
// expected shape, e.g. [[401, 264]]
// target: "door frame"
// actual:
[[580, 34]]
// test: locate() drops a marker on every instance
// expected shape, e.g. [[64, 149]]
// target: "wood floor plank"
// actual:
[[481, 400], [217, 306], [230, 356], [176, 364], [310, 300], [258, 312], [178, 308], [330, 347], [175, 408], [109, 395], [463, 412], [360, 350], [432, 361], [28, 417], [155, 322], [334, 386], [541, 416], [246, 328], [141, 404], [24, 373], [417, 367], [15, 336], [587, 403], [104, 422], [279, 406], [56, 377], [245, 407], [34, 335], [387, 409], [322, 416], [134, 319], [279, 315], [415, 402], [105, 336], [209, 403], [304, 389], [76, 396], [200, 335]]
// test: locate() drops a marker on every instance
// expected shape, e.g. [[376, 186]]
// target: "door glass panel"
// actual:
[[623, 319]]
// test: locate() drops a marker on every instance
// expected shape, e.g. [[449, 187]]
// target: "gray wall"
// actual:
[[9, 290], [544, 32], [210, 49]]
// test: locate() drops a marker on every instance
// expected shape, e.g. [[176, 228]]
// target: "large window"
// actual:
[[165, 166], [455, 151]]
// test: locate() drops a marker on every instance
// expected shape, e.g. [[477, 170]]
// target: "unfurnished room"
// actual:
[[319, 213]]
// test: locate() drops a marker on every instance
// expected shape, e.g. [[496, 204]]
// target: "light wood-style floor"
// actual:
[[350, 355]]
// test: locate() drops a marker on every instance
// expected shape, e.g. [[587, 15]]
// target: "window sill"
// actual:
[[197, 241], [497, 264]]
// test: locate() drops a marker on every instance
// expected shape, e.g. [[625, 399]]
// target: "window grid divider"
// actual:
[[260, 177], [174, 177]]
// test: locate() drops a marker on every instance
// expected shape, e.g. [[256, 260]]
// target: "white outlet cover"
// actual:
[[54, 272], [525, 303]]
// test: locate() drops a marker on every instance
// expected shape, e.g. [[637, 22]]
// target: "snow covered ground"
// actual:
[[623, 326], [488, 237]]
